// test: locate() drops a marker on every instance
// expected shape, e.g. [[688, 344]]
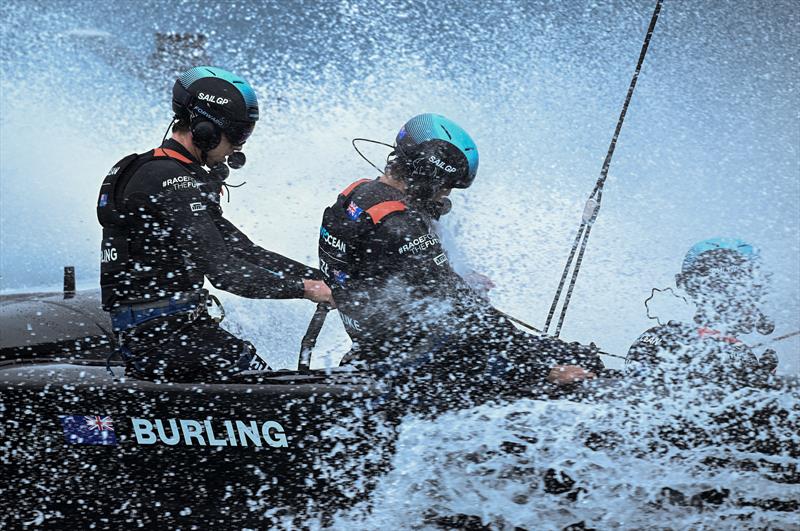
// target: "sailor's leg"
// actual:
[[181, 349], [215, 354]]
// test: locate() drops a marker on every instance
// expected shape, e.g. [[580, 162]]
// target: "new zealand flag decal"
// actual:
[[353, 211], [84, 429], [103, 200]]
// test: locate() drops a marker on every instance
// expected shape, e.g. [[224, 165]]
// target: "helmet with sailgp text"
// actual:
[[718, 252], [213, 101], [436, 153]]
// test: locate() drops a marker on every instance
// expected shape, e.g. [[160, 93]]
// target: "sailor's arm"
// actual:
[[417, 257], [242, 247], [194, 232], [421, 260]]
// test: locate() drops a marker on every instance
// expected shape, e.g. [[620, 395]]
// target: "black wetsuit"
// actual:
[[688, 350], [408, 312], [168, 235]]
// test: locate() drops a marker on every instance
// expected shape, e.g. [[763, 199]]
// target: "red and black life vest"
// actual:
[[344, 260]]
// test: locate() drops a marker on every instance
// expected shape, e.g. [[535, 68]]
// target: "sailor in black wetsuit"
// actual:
[[412, 319], [164, 233], [722, 276]]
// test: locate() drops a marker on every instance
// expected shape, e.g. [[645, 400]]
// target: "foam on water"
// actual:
[[637, 459]]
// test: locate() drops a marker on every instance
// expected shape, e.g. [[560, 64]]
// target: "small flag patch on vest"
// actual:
[[103, 200], [86, 429], [353, 211]]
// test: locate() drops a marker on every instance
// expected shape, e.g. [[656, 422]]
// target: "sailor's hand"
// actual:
[[318, 291], [568, 374]]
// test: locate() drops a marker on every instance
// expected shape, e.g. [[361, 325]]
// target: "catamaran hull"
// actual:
[[80, 447]]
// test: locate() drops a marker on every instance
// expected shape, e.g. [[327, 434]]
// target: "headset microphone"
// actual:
[[444, 206], [219, 171], [236, 160]]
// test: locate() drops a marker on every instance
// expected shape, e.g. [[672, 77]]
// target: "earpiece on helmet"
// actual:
[[212, 101], [439, 154], [205, 135]]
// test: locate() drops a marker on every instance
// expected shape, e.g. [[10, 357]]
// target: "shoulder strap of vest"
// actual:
[[377, 211], [171, 153], [116, 180], [350, 189], [108, 213], [383, 209]]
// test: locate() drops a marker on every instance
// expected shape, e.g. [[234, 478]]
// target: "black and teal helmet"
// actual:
[[715, 253], [438, 151], [720, 264], [214, 101]]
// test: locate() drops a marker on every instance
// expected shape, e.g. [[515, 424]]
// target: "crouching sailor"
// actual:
[[163, 233], [723, 278], [412, 319]]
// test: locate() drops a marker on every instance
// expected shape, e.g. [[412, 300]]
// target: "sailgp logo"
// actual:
[[439, 163], [213, 99]]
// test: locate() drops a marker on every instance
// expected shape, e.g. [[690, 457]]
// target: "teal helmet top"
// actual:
[[733, 248], [723, 277], [442, 153], [210, 94]]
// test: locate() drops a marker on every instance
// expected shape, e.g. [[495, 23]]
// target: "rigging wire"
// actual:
[[592, 207]]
